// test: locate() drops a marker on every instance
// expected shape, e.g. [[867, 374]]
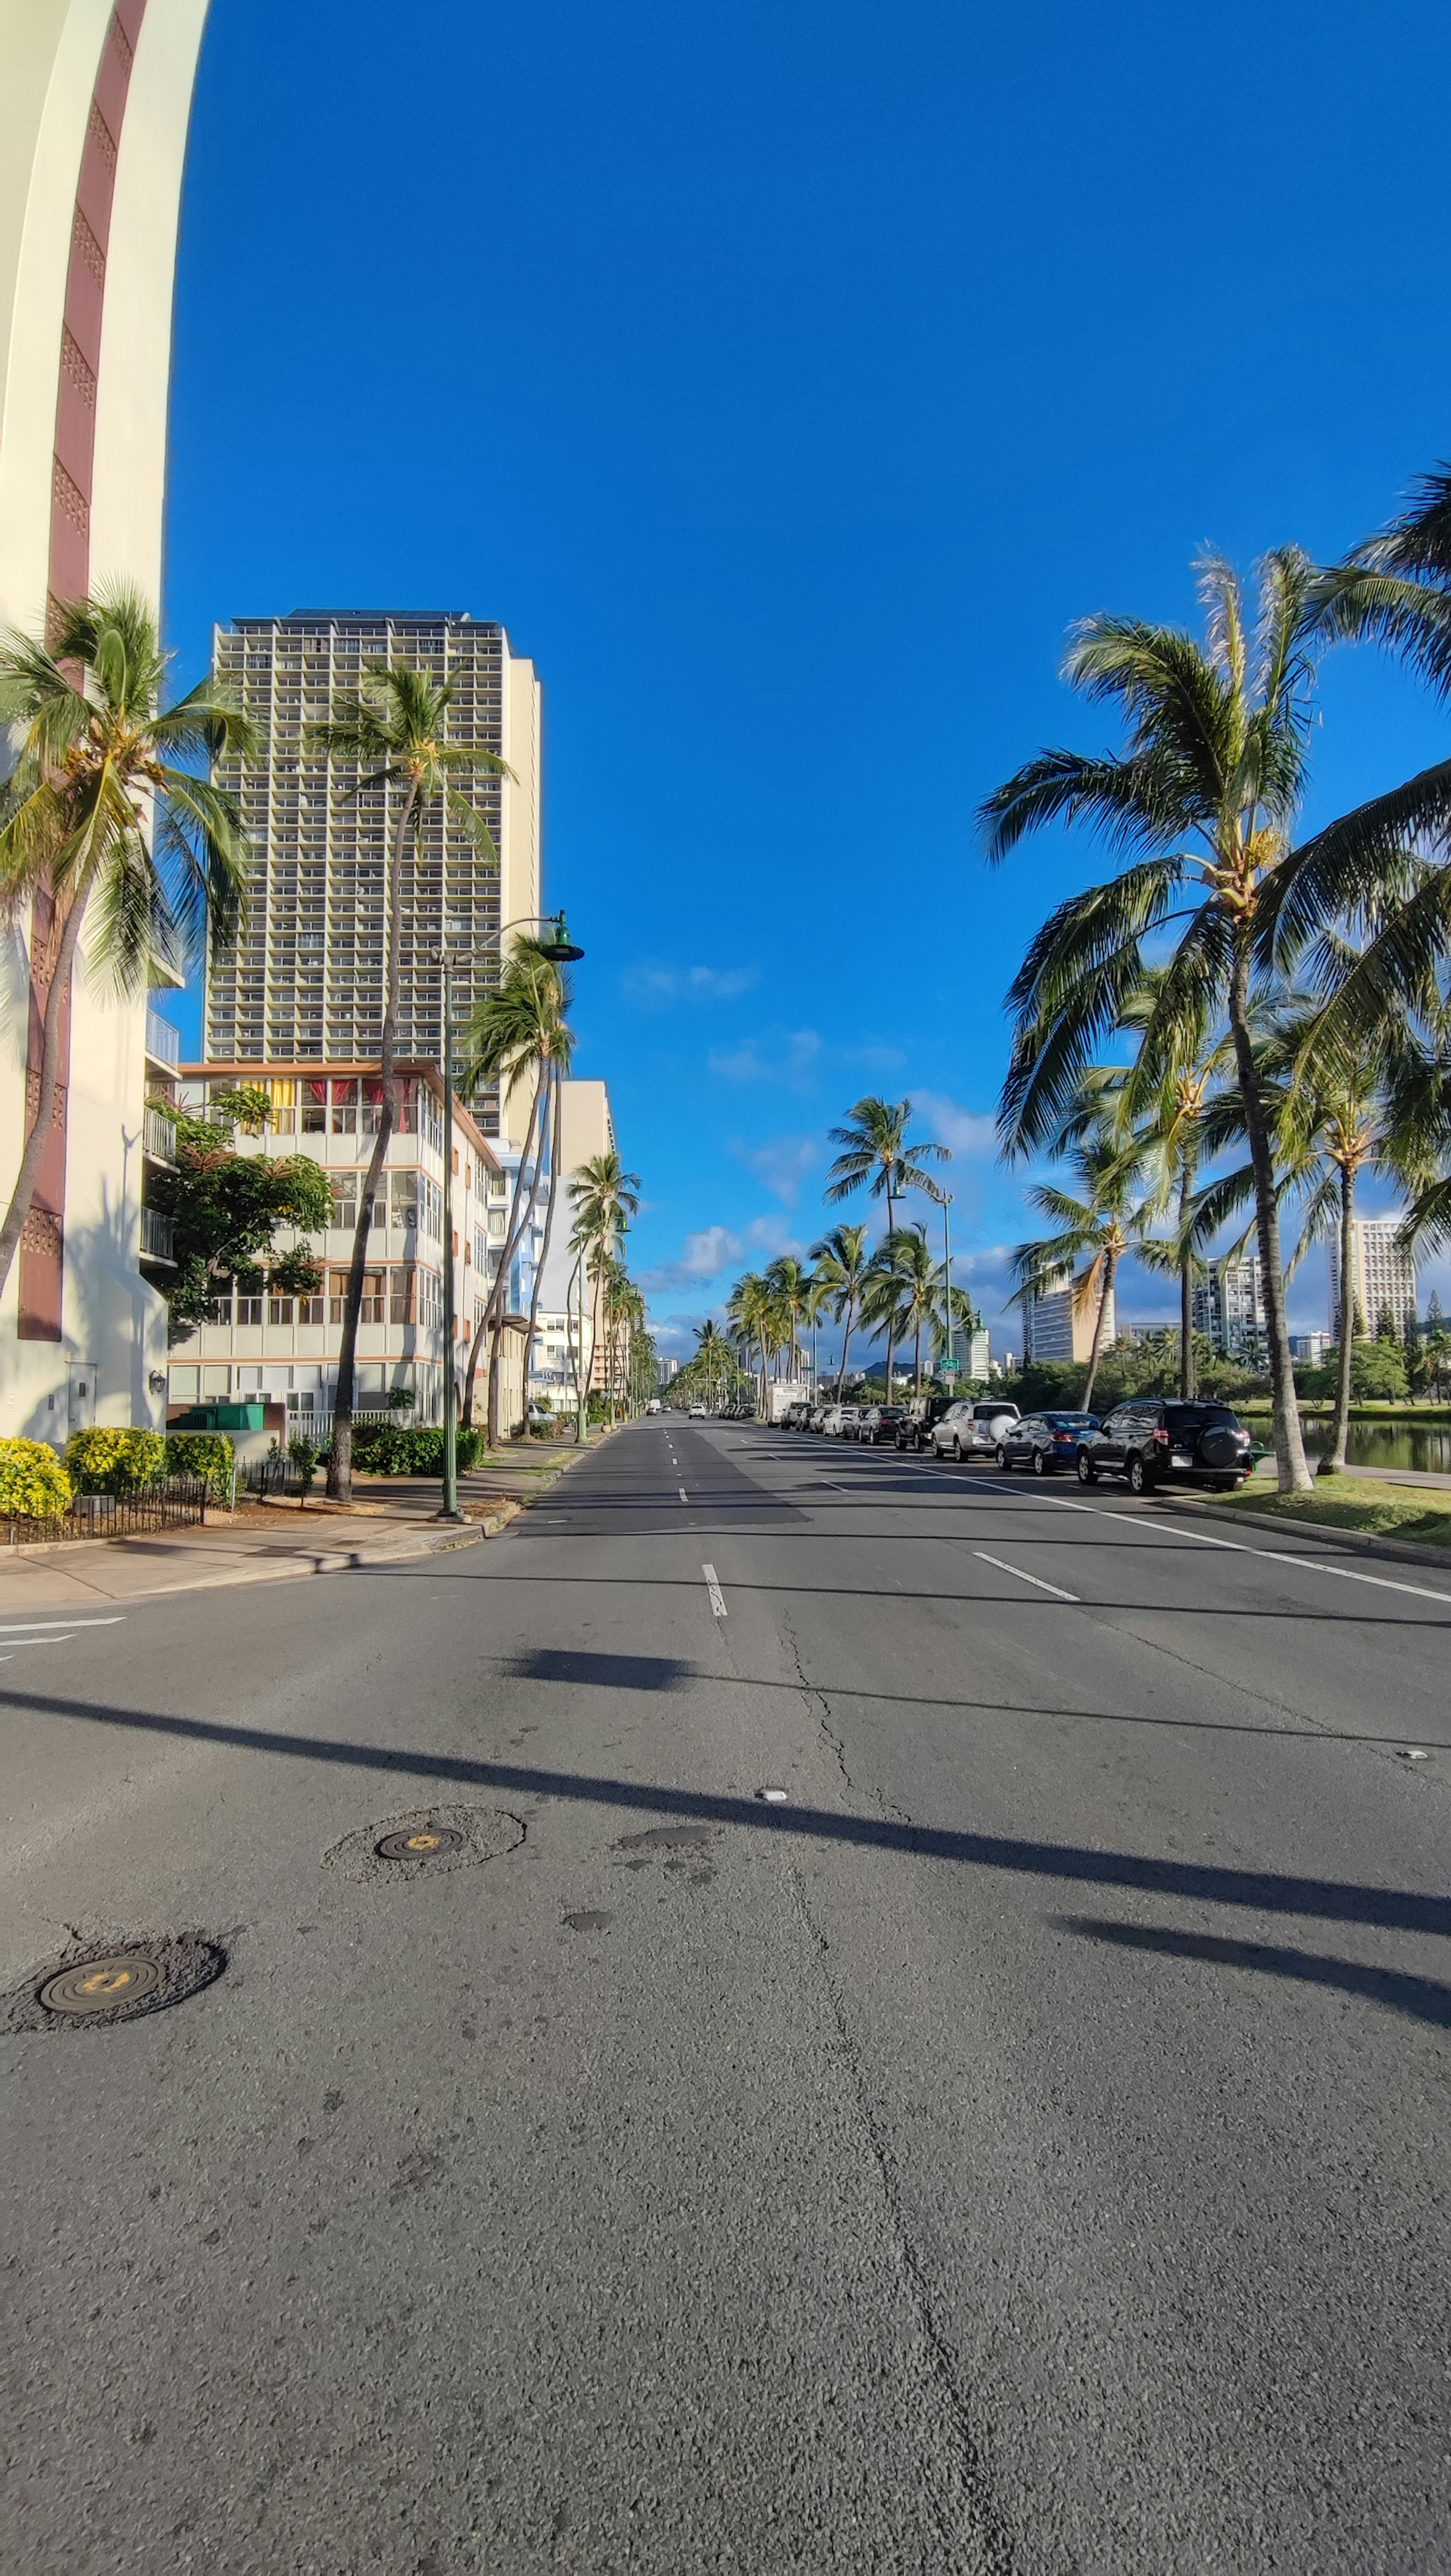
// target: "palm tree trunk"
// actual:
[[1294, 1474], [1187, 1372], [845, 1347], [554, 1127], [521, 1215], [917, 1360], [1110, 1265], [340, 1448], [497, 1288], [35, 1143], [1334, 1463]]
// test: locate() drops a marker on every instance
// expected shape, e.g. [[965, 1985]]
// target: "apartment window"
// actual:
[[344, 1108], [374, 1297], [405, 1198], [344, 1187], [279, 1310], [314, 1108], [218, 1309], [311, 1310], [250, 1299]]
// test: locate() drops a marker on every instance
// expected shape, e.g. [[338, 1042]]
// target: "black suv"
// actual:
[[914, 1431], [1158, 1438]]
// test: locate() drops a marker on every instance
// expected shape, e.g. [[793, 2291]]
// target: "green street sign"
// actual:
[[948, 1369]]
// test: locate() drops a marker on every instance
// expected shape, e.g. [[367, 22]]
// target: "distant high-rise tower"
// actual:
[[1382, 1275], [307, 977]]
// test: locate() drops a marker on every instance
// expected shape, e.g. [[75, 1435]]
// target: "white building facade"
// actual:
[[1383, 1276], [1230, 1307], [94, 106], [1055, 1328]]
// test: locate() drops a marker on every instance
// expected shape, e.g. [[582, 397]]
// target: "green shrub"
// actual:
[[115, 1462], [211, 1454], [33, 1483], [386, 1449]]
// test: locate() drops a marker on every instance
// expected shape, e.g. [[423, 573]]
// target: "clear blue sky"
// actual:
[[787, 378]]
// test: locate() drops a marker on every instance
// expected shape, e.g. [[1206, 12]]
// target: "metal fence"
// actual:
[[178, 1503]]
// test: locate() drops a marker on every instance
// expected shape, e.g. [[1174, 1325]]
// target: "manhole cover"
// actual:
[[434, 1839], [102, 1986], [425, 1842]]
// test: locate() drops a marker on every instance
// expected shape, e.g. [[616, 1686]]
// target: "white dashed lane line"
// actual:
[[717, 1597], [1022, 1575]]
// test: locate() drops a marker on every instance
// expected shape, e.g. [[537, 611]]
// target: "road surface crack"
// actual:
[[955, 2472], [820, 1708]]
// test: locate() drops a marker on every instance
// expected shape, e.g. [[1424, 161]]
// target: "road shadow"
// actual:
[[1265, 1891], [600, 1672], [1420, 1998]]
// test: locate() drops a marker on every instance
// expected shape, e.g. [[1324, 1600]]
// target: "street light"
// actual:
[[561, 950]]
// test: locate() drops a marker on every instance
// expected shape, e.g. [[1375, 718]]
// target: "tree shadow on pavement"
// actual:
[[1266, 1891], [1421, 1998]]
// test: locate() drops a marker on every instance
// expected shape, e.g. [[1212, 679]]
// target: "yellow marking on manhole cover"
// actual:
[[424, 1842], [106, 1981]]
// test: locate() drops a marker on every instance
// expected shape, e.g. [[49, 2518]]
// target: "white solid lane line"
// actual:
[[1024, 1577], [32, 1627], [680, 1489], [717, 1597]]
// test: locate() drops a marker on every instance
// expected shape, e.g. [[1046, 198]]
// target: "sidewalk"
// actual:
[[396, 1518], [1382, 1475]]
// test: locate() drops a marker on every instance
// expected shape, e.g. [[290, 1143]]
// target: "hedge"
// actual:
[[211, 1454], [33, 1483], [115, 1462], [386, 1449]]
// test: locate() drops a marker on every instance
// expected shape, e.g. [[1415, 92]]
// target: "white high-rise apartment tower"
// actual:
[[306, 979], [1382, 1276]]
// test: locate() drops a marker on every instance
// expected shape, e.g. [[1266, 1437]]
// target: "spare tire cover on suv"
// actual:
[[1219, 1447]]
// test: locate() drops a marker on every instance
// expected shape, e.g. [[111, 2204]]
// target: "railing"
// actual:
[[179, 1503], [158, 1135], [162, 1040], [157, 1235]]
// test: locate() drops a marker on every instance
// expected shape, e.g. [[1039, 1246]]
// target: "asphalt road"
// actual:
[[1023, 2148]]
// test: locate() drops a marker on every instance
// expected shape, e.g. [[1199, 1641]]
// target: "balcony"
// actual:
[[158, 1137], [163, 1042], [156, 1237]]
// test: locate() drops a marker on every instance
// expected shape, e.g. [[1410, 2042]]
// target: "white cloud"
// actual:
[[715, 1249], [655, 985], [790, 1060], [962, 1131], [783, 1163]]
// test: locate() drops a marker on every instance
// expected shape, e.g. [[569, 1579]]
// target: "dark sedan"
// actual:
[[1158, 1438], [1045, 1441], [879, 1423]]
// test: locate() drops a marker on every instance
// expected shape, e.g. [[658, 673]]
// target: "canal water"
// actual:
[[1426, 1446]]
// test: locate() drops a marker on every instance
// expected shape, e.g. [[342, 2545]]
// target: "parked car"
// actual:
[[796, 1416], [700, 1413], [914, 1431], [971, 1428], [879, 1424], [1158, 1439], [1044, 1441], [816, 1419]]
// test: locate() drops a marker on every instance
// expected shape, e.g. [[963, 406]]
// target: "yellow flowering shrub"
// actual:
[[33, 1483]]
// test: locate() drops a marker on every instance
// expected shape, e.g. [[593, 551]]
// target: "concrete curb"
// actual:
[[1320, 1533]]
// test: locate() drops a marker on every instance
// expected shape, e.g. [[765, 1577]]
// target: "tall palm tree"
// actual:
[[519, 1030], [97, 816], [755, 1313], [876, 1156], [394, 727], [605, 1198], [711, 1355], [903, 1292], [790, 1283], [1393, 590], [1107, 1219], [841, 1259], [1202, 804]]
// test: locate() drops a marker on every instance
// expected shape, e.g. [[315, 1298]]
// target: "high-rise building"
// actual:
[[566, 1337], [1229, 1305], [1382, 1274], [1054, 1328], [306, 978], [94, 104]]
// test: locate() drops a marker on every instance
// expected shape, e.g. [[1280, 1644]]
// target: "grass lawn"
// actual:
[[1353, 1502]]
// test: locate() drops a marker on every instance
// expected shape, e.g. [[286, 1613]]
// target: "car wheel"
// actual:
[[957, 1449], [1005, 1464], [1040, 1463], [1087, 1472], [1139, 1479]]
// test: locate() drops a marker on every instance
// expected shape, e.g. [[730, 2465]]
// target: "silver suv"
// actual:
[[972, 1430]]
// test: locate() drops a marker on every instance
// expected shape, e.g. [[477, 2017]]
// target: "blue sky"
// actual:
[[787, 379]]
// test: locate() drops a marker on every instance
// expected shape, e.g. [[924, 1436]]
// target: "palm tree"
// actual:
[[516, 1031], [841, 1266], [1097, 1228], [96, 812], [790, 1282], [1202, 804], [903, 1292], [394, 727], [755, 1313], [1393, 590], [605, 1198], [876, 1156], [953, 1313], [711, 1356]]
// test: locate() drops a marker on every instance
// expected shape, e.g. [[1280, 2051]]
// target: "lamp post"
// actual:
[[947, 1282]]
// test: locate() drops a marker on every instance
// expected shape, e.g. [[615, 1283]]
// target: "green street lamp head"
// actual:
[[557, 946]]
